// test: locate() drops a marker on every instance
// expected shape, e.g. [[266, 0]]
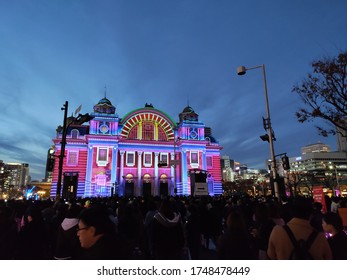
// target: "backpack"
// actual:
[[301, 247]]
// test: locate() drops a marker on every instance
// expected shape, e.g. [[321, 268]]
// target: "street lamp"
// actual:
[[241, 70], [80, 119], [62, 150], [337, 179]]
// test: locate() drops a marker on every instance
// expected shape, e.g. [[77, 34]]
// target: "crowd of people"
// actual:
[[177, 227]]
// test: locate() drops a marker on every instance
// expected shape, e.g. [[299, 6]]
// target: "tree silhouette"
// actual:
[[324, 94]]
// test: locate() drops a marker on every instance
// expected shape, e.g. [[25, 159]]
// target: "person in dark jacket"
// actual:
[[193, 231], [67, 244], [33, 238], [235, 243], [8, 234], [332, 225], [167, 233], [96, 233]]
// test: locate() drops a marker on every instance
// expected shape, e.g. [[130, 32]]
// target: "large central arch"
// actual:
[[148, 115]]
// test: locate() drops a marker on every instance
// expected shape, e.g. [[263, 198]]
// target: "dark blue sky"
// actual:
[[167, 53]]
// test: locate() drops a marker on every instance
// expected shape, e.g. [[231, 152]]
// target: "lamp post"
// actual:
[[337, 181], [62, 150], [333, 166], [241, 70], [80, 119]]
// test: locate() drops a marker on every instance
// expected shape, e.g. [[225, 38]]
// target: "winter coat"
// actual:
[[167, 237]]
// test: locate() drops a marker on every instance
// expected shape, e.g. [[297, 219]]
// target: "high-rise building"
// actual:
[[315, 148], [228, 173], [143, 153], [2, 176], [15, 177], [50, 164]]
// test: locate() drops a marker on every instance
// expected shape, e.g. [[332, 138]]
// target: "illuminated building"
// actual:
[[315, 148], [14, 177], [144, 153]]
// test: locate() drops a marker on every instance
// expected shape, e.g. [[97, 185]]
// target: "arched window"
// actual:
[[148, 131], [129, 178], [75, 133], [161, 134], [133, 133], [147, 178], [163, 178]]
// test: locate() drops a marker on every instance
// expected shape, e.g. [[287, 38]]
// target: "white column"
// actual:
[[139, 171], [121, 173], [89, 173], [173, 178], [184, 173], [114, 164], [156, 175]]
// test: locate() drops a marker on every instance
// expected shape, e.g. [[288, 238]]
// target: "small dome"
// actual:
[[188, 109], [188, 114], [104, 106], [105, 100]]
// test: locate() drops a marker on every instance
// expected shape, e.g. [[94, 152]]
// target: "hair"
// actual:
[[98, 217], [261, 212], [236, 220], [274, 209], [73, 211], [34, 211], [333, 219], [166, 208], [302, 208], [317, 206]]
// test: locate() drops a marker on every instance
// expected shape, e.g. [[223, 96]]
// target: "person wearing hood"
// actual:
[[67, 243], [98, 237], [167, 233]]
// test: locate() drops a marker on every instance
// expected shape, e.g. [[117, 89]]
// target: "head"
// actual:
[[94, 222], [302, 208], [33, 213], [332, 223], [166, 209], [236, 221], [73, 211], [261, 213], [317, 206]]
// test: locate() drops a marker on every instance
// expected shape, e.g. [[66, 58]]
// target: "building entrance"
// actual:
[[146, 189], [129, 189], [70, 185], [163, 189]]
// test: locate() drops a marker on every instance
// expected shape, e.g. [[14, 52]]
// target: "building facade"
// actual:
[[319, 166], [144, 153], [14, 178]]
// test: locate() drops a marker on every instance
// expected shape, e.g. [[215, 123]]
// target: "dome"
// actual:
[[105, 100], [188, 114], [104, 106], [188, 109]]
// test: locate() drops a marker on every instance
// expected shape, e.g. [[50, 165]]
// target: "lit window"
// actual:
[[148, 131], [209, 161], [72, 158], [75, 133], [194, 159], [161, 134], [133, 133], [102, 156], [147, 159], [164, 158], [130, 158]]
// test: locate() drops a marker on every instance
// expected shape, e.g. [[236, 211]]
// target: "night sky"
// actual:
[[170, 54]]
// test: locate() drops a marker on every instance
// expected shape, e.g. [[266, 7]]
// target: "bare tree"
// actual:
[[324, 94]]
